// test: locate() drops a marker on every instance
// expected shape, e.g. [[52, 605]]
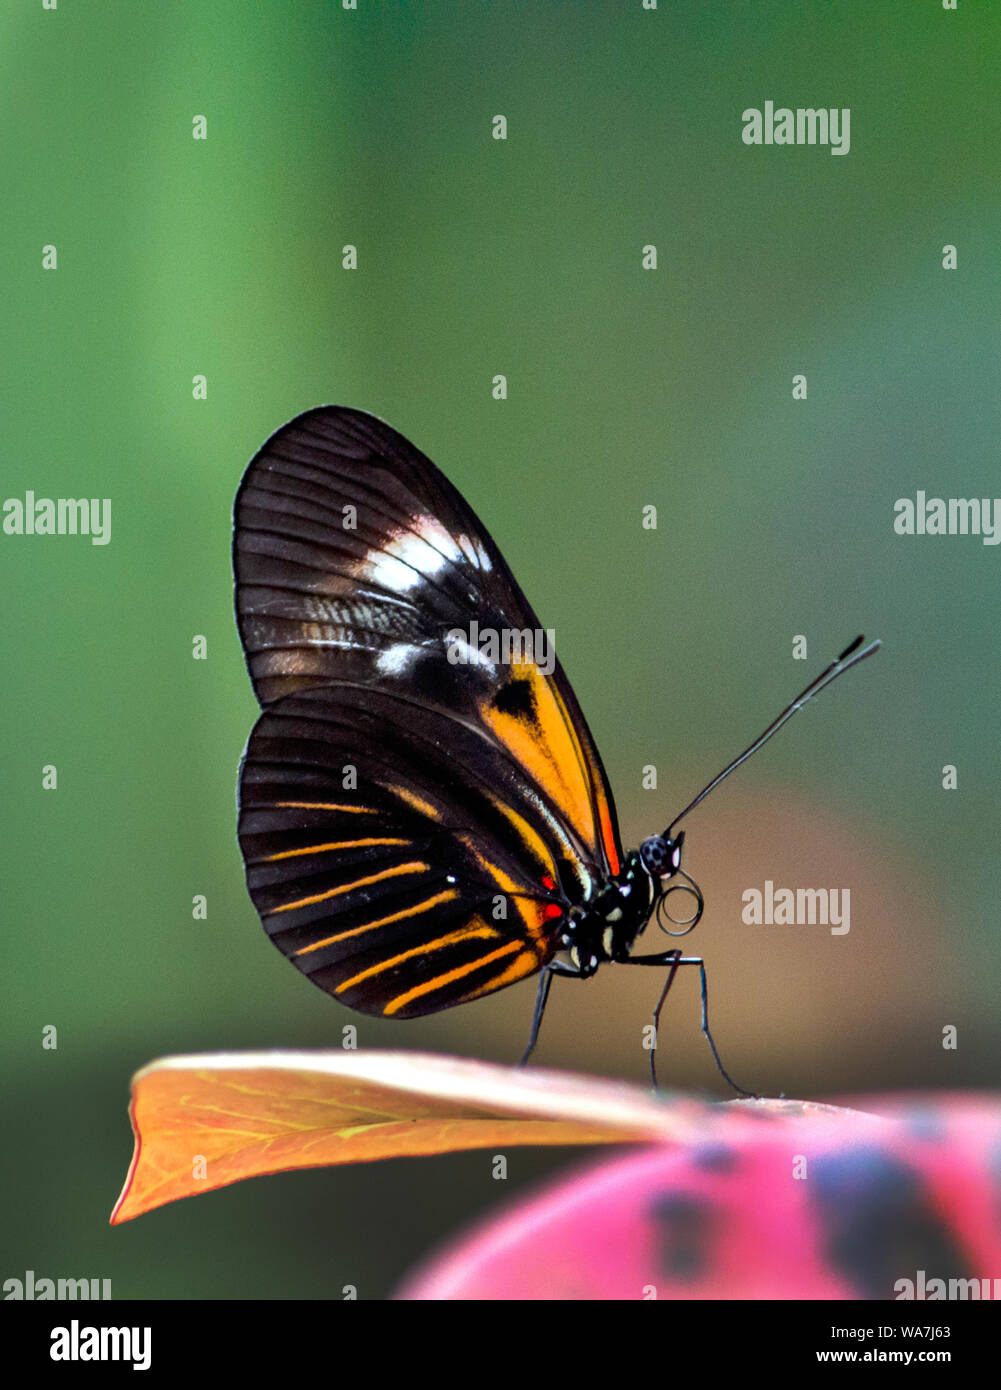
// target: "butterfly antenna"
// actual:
[[851, 656]]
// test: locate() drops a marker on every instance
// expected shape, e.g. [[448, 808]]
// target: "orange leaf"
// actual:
[[232, 1116]]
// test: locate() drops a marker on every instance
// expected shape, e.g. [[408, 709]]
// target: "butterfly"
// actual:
[[423, 814]]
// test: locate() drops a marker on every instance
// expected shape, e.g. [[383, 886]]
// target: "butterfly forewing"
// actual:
[[413, 828]]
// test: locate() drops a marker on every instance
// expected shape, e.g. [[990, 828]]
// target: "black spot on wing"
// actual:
[[515, 698], [877, 1222]]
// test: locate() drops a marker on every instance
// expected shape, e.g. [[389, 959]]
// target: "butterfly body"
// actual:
[[423, 814], [605, 929]]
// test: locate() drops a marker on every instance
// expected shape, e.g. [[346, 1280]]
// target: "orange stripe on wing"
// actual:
[[525, 833], [452, 938], [520, 967], [440, 981], [425, 807], [510, 889], [413, 868], [607, 833], [334, 844], [435, 901]]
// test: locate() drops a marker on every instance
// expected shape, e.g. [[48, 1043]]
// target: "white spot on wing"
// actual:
[[421, 550], [408, 555], [397, 659]]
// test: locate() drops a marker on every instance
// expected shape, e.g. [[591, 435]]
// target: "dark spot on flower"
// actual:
[[684, 1224], [877, 1223], [715, 1158]]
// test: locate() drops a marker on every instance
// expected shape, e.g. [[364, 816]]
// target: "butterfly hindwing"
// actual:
[[355, 559], [394, 854]]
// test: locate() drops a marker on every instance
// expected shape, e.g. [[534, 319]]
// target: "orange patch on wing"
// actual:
[[546, 745]]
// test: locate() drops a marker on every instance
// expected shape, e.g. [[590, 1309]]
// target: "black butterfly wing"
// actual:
[[355, 558], [393, 852]]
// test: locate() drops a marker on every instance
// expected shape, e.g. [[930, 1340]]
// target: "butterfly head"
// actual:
[[661, 855]]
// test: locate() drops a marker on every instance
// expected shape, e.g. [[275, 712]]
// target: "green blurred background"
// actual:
[[626, 387]]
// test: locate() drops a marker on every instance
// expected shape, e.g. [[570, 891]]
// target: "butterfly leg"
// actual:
[[673, 959], [555, 967]]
